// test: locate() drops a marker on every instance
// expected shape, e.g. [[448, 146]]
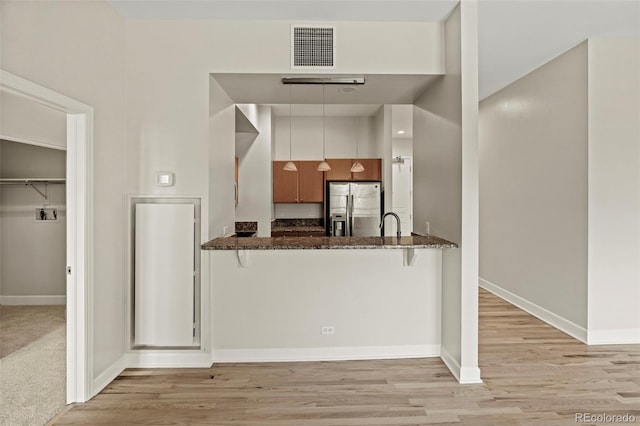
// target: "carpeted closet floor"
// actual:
[[32, 364]]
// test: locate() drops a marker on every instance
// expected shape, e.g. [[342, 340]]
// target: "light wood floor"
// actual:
[[533, 374]]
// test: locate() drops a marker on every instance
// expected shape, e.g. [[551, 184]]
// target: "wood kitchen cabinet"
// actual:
[[372, 169], [285, 184], [307, 184], [341, 169], [302, 186], [310, 182]]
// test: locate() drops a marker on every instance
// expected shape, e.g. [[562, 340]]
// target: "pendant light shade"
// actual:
[[290, 166], [323, 166], [357, 167]]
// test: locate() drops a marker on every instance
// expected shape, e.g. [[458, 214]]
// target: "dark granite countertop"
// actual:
[[297, 229], [304, 243], [297, 225], [246, 227]]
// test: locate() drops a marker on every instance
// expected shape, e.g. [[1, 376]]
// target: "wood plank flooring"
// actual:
[[533, 374]]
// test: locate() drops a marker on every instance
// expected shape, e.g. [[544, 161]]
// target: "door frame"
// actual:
[[79, 192]]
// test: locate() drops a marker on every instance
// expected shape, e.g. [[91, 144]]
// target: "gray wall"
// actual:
[[437, 176], [25, 120], [33, 254], [93, 71], [533, 187]]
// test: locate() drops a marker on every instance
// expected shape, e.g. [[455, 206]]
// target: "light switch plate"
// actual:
[[164, 179]]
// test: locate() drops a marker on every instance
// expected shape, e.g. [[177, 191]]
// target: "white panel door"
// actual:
[[401, 197], [164, 280]]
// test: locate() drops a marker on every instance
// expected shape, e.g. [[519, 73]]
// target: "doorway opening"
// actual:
[[32, 280], [79, 237]]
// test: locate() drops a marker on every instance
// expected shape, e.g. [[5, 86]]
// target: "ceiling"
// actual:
[[515, 36], [378, 89]]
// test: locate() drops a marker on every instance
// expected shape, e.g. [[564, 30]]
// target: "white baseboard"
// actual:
[[146, 358], [464, 375], [624, 336], [554, 320], [33, 300], [107, 376], [470, 375], [336, 353], [452, 364]]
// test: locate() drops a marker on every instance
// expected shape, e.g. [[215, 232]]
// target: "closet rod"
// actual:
[[33, 182], [12, 181]]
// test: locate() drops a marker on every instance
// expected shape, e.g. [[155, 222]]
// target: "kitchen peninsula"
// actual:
[[316, 242], [325, 298]]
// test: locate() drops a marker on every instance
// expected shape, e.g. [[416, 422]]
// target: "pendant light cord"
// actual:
[[355, 92], [290, 122], [324, 155]]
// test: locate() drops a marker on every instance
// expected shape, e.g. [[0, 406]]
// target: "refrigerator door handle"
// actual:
[[351, 217], [347, 212]]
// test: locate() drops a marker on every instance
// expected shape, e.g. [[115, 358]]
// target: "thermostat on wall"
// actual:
[[164, 179]]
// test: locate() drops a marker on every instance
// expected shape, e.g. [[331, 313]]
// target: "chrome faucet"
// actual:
[[397, 220]]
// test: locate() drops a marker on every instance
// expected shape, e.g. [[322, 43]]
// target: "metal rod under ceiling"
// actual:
[[323, 80]]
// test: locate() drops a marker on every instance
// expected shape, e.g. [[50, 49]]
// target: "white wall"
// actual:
[[445, 172], [221, 161], [1, 234], [25, 120], [437, 177], [78, 50], [402, 120], [533, 159], [255, 187], [298, 211], [341, 134], [168, 108], [33, 253], [614, 191], [402, 147], [386, 147], [560, 151], [367, 295]]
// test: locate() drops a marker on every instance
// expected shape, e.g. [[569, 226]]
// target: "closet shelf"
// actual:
[[33, 182]]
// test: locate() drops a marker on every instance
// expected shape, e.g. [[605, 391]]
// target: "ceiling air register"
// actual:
[[313, 47]]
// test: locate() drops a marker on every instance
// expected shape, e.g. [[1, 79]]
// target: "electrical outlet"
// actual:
[[224, 230], [427, 228], [328, 329]]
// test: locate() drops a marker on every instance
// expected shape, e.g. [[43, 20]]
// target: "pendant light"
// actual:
[[290, 166], [357, 166], [323, 166]]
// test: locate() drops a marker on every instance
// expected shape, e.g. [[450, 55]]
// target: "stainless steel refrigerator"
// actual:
[[353, 209]]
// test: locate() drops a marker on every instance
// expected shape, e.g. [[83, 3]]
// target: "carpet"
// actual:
[[33, 381], [21, 325]]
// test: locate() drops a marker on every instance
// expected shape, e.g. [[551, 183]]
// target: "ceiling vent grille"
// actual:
[[313, 47]]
